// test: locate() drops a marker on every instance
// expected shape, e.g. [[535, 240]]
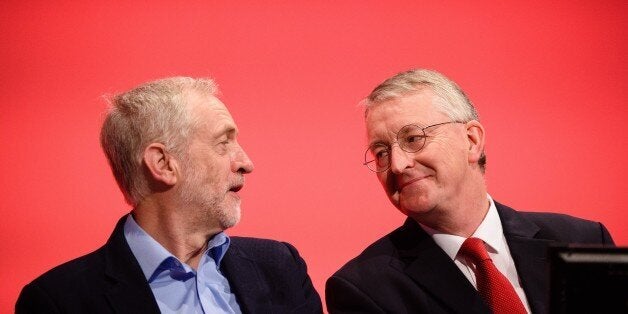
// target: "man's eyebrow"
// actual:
[[377, 143], [227, 130], [380, 141]]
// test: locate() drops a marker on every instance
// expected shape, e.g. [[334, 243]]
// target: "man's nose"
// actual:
[[241, 162], [400, 159]]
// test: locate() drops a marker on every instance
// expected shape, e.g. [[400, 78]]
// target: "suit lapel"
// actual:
[[252, 293], [126, 288], [428, 265], [529, 255]]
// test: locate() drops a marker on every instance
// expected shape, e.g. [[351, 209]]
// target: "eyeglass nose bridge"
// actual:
[[402, 158], [401, 143]]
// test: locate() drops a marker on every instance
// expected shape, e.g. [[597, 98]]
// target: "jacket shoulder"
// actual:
[[73, 270], [562, 227], [371, 259], [67, 281], [262, 248], [566, 228]]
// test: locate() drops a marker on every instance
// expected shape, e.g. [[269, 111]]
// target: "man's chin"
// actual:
[[414, 207], [229, 219]]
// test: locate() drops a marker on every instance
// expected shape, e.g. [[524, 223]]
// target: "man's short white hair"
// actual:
[[154, 112]]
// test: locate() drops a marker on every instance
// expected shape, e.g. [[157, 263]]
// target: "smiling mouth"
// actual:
[[406, 183]]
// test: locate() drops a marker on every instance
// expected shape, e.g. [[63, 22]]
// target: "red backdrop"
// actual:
[[549, 79]]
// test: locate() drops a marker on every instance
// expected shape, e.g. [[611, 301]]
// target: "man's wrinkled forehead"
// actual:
[[384, 119], [417, 102], [210, 110], [375, 99]]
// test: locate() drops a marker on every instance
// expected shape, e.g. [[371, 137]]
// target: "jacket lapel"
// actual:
[[529, 255], [428, 265], [126, 288], [252, 293]]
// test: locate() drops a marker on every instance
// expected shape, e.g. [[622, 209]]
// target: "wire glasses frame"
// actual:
[[411, 139]]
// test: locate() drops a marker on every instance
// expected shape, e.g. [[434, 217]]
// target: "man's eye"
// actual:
[[224, 141], [223, 146], [380, 154], [414, 138]]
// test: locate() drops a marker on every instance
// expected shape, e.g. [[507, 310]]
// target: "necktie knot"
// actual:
[[474, 249], [492, 285]]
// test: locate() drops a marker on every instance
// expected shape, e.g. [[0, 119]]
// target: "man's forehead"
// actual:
[[399, 111], [212, 113], [203, 99], [385, 119], [206, 103]]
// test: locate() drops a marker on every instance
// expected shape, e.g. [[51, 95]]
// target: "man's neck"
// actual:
[[174, 231]]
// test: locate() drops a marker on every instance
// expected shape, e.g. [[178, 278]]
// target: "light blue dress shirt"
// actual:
[[176, 286]]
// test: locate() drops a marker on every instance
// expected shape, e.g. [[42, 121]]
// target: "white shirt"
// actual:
[[490, 231]]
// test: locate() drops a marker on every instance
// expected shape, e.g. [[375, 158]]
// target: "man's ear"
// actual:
[[476, 138], [161, 165]]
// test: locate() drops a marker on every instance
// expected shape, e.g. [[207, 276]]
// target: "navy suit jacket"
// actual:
[[407, 272], [266, 276]]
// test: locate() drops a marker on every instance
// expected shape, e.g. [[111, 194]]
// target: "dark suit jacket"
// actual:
[[407, 272], [266, 276]]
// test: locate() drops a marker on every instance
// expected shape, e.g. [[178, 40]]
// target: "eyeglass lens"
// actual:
[[410, 138]]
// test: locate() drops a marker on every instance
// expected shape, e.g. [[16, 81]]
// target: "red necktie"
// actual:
[[493, 286]]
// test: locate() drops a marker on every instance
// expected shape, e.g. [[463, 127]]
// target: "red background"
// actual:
[[549, 79]]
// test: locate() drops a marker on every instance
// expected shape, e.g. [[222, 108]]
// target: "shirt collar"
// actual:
[[490, 226], [150, 254], [217, 247], [490, 230]]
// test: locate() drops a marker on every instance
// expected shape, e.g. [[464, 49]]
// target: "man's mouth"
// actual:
[[236, 188], [401, 185]]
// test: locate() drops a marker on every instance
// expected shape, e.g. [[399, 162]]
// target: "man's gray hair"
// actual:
[[450, 98], [452, 101], [154, 112]]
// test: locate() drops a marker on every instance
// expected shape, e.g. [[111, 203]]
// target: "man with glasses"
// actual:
[[459, 251]]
